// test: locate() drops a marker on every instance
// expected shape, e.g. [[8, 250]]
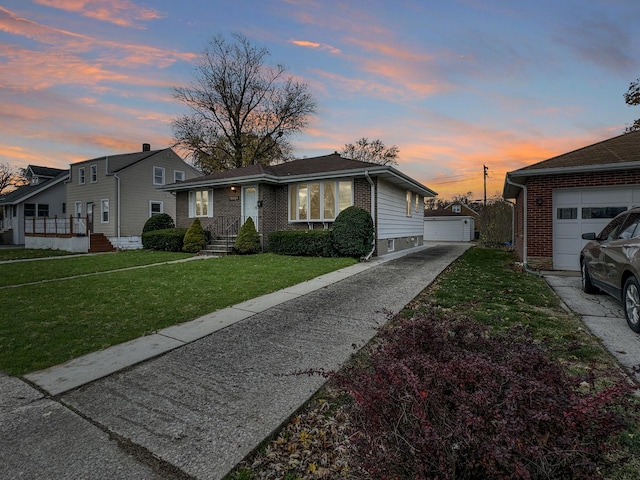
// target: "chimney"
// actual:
[[146, 147]]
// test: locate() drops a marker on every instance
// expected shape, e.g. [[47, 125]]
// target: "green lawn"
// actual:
[[49, 323], [20, 253]]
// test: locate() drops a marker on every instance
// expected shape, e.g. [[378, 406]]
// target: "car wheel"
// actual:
[[587, 286], [631, 302]]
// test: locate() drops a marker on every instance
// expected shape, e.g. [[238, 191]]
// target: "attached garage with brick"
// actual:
[[559, 199]]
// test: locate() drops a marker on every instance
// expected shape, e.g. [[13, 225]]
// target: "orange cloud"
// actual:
[[119, 12], [315, 45]]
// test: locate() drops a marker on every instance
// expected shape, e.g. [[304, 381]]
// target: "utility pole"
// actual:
[[485, 183]]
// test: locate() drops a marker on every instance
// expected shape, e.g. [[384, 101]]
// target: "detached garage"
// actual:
[[445, 225], [559, 199]]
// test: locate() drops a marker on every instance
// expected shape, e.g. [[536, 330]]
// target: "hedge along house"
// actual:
[[306, 194], [559, 199]]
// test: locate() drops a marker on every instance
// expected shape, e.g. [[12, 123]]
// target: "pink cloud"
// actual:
[[124, 13]]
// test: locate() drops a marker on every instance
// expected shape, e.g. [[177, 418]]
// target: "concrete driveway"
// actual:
[[199, 409], [603, 315]]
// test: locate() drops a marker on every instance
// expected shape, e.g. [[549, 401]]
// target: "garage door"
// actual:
[[582, 210], [448, 229]]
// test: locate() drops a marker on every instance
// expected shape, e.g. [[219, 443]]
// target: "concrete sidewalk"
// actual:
[[197, 410]]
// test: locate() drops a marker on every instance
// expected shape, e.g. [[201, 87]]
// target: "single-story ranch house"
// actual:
[[559, 199], [306, 194]]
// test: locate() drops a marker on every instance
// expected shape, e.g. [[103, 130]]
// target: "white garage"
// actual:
[[449, 229], [584, 210]]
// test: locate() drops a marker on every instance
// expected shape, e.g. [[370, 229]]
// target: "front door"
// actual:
[[250, 204], [90, 216]]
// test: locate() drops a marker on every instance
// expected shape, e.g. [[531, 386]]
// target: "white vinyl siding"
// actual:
[[393, 221]]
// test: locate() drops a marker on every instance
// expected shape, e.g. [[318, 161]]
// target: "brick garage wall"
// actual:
[[540, 217]]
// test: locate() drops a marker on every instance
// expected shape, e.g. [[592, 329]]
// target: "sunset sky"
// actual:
[[455, 85]]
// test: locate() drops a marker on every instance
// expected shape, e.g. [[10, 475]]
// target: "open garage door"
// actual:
[[582, 210]]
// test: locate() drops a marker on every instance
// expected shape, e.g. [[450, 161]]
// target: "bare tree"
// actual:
[[241, 110], [10, 177], [632, 97], [373, 152]]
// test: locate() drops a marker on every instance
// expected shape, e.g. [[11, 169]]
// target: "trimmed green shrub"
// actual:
[[162, 221], [353, 232], [309, 243], [194, 240], [170, 240], [248, 240]]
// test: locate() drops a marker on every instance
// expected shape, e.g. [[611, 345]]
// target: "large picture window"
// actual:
[[319, 201], [200, 203]]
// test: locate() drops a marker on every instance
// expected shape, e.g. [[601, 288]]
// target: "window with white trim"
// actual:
[[78, 209], [417, 203], [93, 173], [201, 203], [409, 196], [104, 210], [178, 175], [155, 208], [319, 201], [456, 208], [158, 175], [81, 177], [391, 245]]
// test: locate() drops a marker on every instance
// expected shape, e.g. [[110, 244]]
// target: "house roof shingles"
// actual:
[[329, 165], [22, 193], [617, 153]]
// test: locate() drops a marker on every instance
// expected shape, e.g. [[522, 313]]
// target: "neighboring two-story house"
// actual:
[[118, 193]]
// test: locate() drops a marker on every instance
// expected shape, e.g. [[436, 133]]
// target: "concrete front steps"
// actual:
[[219, 247]]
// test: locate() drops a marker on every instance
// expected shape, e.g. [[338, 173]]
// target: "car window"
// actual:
[[610, 231], [629, 227]]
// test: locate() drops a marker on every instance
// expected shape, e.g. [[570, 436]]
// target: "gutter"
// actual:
[[373, 216], [524, 224]]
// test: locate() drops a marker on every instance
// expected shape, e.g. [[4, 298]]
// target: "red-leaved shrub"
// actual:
[[442, 398]]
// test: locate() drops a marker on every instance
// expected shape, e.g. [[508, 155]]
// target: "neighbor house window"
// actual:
[[391, 245], [158, 176], [408, 203], [104, 210], [319, 201], [78, 209], [178, 176], [155, 208], [81, 178], [417, 209], [29, 209], [94, 173], [200, 203], [456, 208], [43, 209], [64, 208]]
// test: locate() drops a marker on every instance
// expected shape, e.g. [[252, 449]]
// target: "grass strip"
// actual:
[[19, 273], [50, 323]]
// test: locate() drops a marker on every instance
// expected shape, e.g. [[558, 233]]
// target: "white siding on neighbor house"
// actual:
[[448, 229], [393, 221]]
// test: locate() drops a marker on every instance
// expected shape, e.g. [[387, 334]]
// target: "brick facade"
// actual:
[[274, 213]]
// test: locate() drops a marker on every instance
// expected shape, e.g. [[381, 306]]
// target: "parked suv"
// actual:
[[611, 262]]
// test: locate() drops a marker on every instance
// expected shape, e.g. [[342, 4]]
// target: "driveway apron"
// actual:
[[202, 408]]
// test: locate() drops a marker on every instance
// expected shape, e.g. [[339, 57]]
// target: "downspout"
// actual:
[[118, 206], [373, 215], [524, 224]]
